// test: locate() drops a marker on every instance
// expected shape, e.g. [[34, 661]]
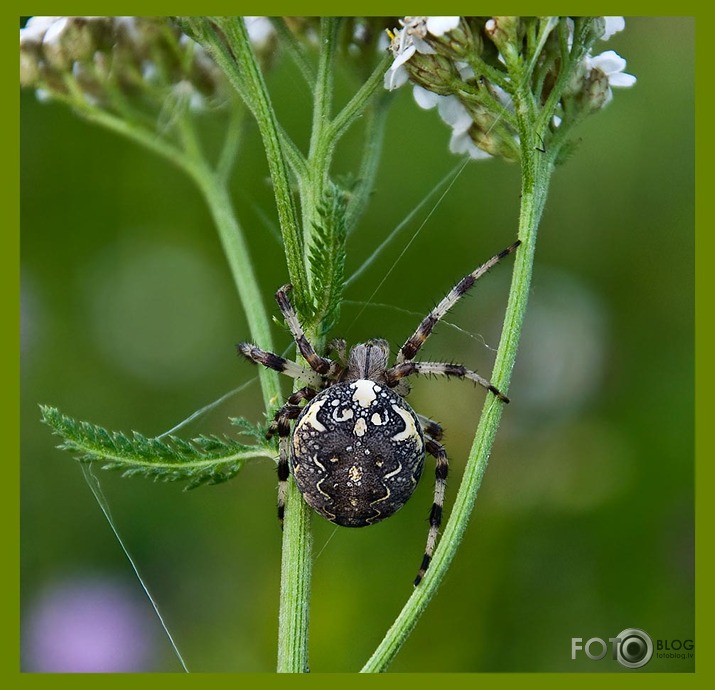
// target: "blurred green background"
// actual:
[[584, 525]]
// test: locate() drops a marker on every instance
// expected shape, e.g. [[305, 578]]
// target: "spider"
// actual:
[[357, 449]]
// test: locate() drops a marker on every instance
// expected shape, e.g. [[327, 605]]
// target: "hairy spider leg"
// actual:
[[430, 427], [400, 371], [432, 430], [289, 411], [424, 330], [280, 364], [281, 426], [320, 364]]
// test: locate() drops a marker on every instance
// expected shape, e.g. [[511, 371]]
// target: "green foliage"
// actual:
[[327, 257], [202, 460]]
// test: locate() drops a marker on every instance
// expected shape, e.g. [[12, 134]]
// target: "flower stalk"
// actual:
[[537, 168]]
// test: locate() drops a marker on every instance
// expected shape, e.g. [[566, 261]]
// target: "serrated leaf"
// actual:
[[205, 459], [327, 257]]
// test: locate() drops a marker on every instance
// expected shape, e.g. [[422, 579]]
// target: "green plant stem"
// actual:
[[241, 68], [536, 172], [375, 118], [213, 187], [236, 250], [296, 571]]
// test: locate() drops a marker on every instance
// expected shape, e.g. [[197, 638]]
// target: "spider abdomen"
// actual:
[[357, 453]]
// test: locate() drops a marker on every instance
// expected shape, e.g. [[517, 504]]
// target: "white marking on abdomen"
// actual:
[[345, 414], [410, 430], [360, 427], [364, 392], [310, 415]]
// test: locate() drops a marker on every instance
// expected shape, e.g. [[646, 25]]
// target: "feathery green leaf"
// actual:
[[327, 257], [205, 459]]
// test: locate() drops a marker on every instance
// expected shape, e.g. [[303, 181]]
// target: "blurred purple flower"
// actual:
[[87, 625]]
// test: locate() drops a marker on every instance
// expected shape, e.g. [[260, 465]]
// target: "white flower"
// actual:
[[438, 26], [35, 29], [410, 40], [461, 142], [454, 114], [612, 65], [424, 98], [450, 108], [613, 26], [403, 49]]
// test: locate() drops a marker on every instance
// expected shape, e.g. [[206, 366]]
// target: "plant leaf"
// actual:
[[205, 459], [327, 257]]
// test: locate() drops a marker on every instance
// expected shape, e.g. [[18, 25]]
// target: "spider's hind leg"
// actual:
[[281, 426], [433, 431]]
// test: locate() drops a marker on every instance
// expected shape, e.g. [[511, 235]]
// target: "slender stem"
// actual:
[[294, 156], [320, 151], [127, 128], [293, 616], [236, 250], [536, 172], [241, 68], [288, 42], [355, 107], [214, 190], [323, 94], [231, 141], [376, 119]]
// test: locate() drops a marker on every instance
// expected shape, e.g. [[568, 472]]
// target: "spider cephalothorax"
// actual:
[[357, 448]]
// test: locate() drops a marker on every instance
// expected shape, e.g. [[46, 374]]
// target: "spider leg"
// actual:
[[399, 371], [278, 363], [437, 450], [290, 410], [281, 426], [430, 427], [340, 348], [417, 339], [320, 364]]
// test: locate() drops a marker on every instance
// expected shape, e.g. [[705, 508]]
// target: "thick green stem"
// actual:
[[296, 570], [536, 173]]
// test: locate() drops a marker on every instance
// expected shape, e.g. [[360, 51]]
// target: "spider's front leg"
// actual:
[[413, 344], [322, 365], [395, 374], [270, 360]]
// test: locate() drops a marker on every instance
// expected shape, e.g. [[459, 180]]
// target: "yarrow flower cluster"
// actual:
[[469, 69], [106, 59]]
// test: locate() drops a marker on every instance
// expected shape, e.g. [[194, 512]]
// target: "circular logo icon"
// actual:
[[635, 648]]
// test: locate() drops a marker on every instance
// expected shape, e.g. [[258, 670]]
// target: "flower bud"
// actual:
[[53, 48], [456, 43], [435, 73], [598, 28], [595, 92], [492, 142], [30, 54], [504, 33]]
